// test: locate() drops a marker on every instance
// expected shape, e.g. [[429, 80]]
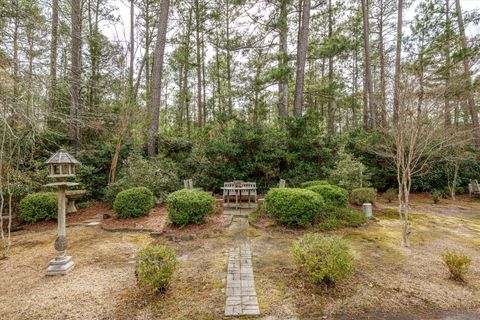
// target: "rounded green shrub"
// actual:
[[294, 206], [39, 207], [308, 184], [186, 206], [436, 196], [155, 267], [363, 195], [335, 197], [324, 259], [390, 194], [134, 202], [342, 217]]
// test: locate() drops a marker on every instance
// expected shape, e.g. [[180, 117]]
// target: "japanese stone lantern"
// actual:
[[60, 167]]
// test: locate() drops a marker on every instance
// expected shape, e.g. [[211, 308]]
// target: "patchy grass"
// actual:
[[388, 279]]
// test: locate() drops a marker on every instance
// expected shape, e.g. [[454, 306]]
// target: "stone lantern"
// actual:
[[60, 167]]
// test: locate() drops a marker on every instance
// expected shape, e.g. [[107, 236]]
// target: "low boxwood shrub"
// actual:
[[134, 202], [457, 264], [436, 196], [363, 195], [39, 207], [189, 206], [308, 184], [390, 194], [342, 217], [155, 267], [335, 197], [323, 259], [294, 206]]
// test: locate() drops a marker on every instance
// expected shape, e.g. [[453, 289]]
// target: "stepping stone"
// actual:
[[241, 294]]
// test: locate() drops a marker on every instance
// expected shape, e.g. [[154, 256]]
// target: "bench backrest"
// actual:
[[475, 186], [188, 184]]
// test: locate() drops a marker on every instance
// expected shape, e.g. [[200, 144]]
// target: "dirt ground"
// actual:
[[390, 282]]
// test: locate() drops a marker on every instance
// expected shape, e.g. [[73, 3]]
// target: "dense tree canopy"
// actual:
[[229, 88]]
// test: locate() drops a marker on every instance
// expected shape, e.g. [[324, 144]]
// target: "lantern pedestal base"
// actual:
[[60, 266]]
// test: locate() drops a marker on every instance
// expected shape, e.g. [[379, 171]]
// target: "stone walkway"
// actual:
[[241, 295], [244, 212]]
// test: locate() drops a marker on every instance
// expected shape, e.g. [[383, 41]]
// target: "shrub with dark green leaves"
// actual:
[[334, 197], [189, 206], [363, 195], [294, 206], [155, 267], [134, 202], [457, 264], [436, 196], [39, 207], [323, 259], [158, 174], [308, 184], [390, 194], [342, 217]]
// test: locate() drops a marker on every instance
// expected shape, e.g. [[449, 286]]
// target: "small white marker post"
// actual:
[[367, 208]]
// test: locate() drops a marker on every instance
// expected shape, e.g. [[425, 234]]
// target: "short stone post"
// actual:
[[367, 209]]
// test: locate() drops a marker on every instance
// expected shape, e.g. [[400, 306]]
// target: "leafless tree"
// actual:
[[413, 143]]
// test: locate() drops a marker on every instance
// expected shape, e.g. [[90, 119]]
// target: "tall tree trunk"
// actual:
[[16, 79], [330, 112], [199, 63], [157, 74], [229, 60], [383, 82], [186, 69], [53, 57], [147, 55], [398, 58], [204, 85], [283, 60], [301, 58], [75, 134], [368, 72], [447, 111], [365, 102], [468, 78], [354, 89], [132, 48]]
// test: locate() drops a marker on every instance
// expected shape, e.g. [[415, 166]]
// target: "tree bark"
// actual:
[[447, 111], [368, 72], [132, 49], [468, 79], [229, 60], [157, 74], [199, 64], [53, 57], [330, 111], [383, 82], [283, 60], [398, 58], [75, 70], [301, 58]]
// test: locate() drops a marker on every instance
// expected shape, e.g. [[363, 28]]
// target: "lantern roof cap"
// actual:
[[61, 157]]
